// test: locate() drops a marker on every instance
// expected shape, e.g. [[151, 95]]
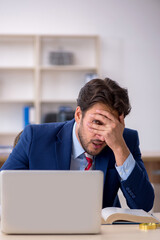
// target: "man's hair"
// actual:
[[104, 91]]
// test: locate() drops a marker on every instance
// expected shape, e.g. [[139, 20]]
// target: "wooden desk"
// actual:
[[108, 232]]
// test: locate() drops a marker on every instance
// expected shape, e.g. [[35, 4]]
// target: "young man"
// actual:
[[99, 132]]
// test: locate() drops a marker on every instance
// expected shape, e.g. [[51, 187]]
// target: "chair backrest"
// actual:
[[17, 139]]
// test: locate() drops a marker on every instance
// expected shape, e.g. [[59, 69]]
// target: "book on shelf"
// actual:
[[112, 215], [28, 115]]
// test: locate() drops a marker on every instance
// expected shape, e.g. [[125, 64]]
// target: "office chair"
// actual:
[[17, 139]]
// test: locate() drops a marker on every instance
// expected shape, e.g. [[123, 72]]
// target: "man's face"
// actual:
[[88, 140]]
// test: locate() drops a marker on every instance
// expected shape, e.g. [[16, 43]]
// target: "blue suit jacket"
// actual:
[[49, 147]]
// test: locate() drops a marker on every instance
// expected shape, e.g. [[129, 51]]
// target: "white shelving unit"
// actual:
[[28, 78]]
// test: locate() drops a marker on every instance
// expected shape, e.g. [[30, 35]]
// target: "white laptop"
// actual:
[[51, 202]]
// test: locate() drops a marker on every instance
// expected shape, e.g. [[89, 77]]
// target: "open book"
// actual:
[[113, 214]]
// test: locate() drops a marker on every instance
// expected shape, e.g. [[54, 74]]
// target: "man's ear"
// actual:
[[78, 115]]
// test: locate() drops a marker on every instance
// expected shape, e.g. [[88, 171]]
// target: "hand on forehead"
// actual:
[[101, 117]]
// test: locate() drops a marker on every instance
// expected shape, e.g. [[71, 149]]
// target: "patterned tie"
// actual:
[[89, 159]]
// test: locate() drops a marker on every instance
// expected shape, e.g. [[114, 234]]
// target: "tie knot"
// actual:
[[89, 159]]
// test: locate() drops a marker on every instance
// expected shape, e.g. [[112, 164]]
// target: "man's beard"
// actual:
[[85, 144]]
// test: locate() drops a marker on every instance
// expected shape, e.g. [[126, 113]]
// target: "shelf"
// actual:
[[8, 133], [58, 101], [82, 49], [16, 51], [16, 101], [68, 68], [7, 138], [29, 78], [15, 68], [68, 36]]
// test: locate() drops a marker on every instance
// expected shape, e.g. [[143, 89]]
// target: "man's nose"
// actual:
[[100, 137]]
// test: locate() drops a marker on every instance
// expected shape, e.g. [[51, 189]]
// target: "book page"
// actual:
[[106, 212]]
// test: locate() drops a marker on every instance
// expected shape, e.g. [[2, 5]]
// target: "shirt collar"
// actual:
[[77, 149]]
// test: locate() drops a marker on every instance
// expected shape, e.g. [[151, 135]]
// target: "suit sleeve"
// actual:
[[137, 189], [19, 158]]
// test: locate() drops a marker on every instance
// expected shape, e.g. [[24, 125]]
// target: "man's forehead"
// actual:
[[103, 107]]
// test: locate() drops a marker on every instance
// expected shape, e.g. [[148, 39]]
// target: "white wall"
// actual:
[[130, 46]]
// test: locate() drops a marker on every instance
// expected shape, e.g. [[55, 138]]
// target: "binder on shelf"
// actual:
[[29, 115], [49, 117], [65, 113]]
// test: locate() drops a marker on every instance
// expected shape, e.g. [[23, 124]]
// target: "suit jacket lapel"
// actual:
[[64, 146], [64, 151]]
